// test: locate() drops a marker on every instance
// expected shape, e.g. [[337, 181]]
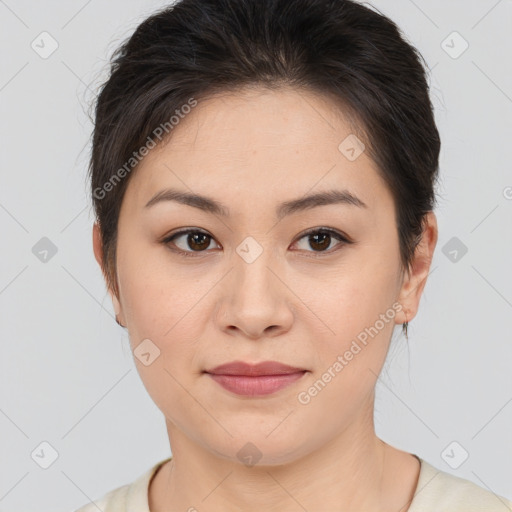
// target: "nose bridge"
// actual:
[[255, 299], [252, 275]]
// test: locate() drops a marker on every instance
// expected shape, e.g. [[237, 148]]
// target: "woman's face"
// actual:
[[252, 285]]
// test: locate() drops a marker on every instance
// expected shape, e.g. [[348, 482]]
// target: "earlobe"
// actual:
[[416, 278]]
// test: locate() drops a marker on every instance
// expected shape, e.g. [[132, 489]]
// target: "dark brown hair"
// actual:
[[339, 48]]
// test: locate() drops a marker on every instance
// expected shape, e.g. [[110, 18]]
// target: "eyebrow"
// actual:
[[210, 205]]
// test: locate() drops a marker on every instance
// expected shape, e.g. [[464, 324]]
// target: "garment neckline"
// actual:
[[138, 493]]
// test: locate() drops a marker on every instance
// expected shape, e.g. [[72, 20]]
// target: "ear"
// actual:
[[98, 254], [416, 277]]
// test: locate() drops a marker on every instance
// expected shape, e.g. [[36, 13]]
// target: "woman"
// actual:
[[263, 177]]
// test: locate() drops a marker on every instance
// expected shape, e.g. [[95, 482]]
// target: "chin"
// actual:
[[256, 448]]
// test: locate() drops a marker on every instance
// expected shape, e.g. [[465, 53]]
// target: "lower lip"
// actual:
[[256, 386]]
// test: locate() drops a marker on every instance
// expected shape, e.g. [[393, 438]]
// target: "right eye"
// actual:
[[193, 239]]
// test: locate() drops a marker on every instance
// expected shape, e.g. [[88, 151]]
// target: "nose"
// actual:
[[255, 301]]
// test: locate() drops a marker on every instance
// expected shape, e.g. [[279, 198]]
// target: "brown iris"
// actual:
[[320, 239], [199, 241]]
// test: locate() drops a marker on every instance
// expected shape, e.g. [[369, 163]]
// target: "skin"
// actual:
[[252, 150]]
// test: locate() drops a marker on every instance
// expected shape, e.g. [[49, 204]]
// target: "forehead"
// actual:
[[263, 142]]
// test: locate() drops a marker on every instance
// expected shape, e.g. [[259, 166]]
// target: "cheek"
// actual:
[[166, 309], [358, 306], [169, 305], [157, 296], [350, 360]]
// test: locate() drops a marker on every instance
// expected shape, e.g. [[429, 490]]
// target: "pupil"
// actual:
[[325, 236], [192, 241]]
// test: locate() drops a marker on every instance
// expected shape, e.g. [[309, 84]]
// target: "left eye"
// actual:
[[320, 239]]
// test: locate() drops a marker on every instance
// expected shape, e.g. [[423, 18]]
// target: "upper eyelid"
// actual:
[[301, 235]]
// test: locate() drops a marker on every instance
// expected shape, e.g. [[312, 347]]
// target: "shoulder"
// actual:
[[443, 492], [113, 501], [133, 496]]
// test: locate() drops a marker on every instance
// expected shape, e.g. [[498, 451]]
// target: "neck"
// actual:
[[355, 470]]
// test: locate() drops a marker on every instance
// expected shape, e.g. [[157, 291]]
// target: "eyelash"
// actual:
[[325, 231]]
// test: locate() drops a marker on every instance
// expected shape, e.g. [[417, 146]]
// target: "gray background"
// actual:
[[67, 374]]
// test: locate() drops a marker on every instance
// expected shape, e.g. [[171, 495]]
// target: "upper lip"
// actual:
[[263, 368]]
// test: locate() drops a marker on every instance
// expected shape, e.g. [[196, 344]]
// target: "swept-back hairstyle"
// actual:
[[196, 48]]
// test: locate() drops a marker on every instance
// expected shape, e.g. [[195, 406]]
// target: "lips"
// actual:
[[253, 370], [255, 380]]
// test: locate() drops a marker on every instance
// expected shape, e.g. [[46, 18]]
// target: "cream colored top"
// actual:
[[436, 491]]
